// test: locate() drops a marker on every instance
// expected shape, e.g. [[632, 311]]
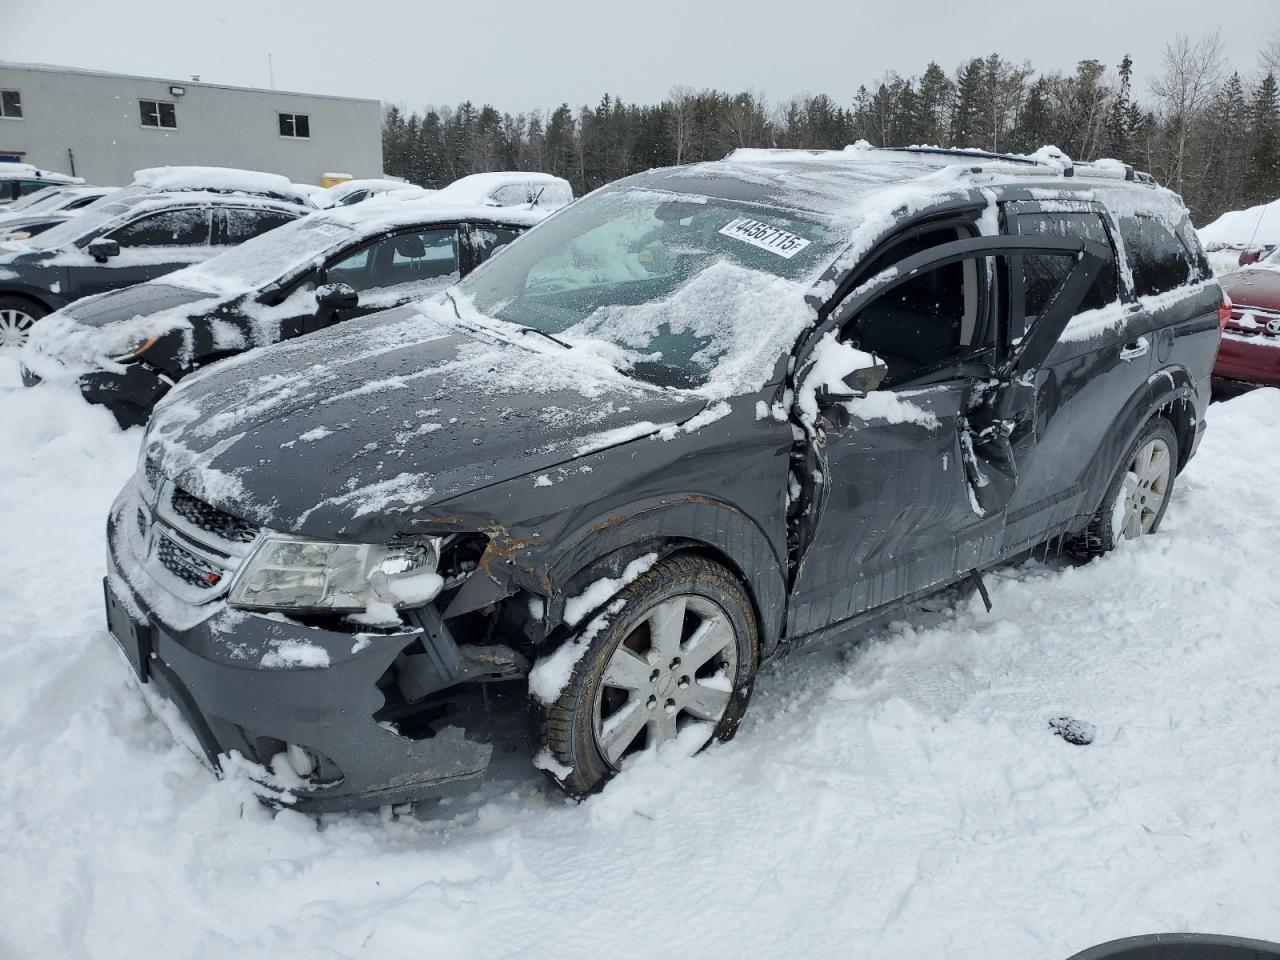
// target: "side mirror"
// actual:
[[103, 249], [337, 296], [868, 378]]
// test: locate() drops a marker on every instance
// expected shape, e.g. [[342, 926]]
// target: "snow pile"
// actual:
[[908, 797], [1255, 227], [507, 188]]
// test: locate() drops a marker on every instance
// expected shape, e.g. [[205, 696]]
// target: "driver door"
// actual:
[[394, 269], [916, 475], [150, 246]]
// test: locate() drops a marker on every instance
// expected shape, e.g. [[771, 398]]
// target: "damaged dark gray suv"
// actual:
[[700, 414]]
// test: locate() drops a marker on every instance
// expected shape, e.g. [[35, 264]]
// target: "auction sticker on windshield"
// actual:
[[765, 237]]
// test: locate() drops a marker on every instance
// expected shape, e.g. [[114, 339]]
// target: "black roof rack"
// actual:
[[972, 154]]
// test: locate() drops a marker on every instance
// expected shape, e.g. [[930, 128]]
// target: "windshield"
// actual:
[[92, 217], [264, 259], [691, 288]]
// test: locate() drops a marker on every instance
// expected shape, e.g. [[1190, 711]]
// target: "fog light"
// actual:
[[303, 763]]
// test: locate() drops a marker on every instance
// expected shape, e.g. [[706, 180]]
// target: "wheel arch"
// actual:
[[696, 525], [22, 293], [1170, 393]]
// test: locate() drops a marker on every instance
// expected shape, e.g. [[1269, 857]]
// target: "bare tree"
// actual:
[[1270, 56], [681, 106], [1189, 81], [746, 124]]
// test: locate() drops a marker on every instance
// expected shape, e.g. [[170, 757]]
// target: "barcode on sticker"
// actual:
[[764, 236]]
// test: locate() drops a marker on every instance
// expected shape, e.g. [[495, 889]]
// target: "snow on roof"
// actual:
[[1255, 227], [219, 179], [15, 171], [479, 188], [388, 211], [330, 196]]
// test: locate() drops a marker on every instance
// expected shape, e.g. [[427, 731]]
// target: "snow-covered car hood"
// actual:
[[85, 335], [1256, 287], [348, 432], [143, 299]]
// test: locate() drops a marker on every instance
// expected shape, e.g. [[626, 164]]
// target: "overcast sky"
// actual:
[[522, 55]]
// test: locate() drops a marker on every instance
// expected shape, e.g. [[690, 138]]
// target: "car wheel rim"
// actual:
[[675, 669], [14, 325], [1145, 487]]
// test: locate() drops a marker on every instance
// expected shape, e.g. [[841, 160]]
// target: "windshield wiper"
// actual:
[[542, 333], [519, 326]]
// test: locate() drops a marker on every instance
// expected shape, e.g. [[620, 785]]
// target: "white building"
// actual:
[[103, 126]]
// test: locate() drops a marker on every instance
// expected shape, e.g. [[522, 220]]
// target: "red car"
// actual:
[[1249, 354]]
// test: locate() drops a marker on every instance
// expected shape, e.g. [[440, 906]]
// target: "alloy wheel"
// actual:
[[14, 327], [1145, 487], [674, 669]]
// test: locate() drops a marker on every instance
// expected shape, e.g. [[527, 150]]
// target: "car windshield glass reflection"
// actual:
[[653, 272]]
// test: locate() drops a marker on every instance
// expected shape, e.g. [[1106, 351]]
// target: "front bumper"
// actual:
[[1247, 360], [130, 395], [250, 685]]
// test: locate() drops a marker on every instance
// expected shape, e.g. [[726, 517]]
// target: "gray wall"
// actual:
[[96, 116]]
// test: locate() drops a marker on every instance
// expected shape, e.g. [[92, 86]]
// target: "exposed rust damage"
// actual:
[[616, 519]]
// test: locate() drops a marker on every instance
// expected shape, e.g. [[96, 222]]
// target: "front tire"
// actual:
[[17, 316], [1138, 495], [673, 654]]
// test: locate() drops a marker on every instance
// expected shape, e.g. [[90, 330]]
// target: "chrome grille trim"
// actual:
[[177, 552]]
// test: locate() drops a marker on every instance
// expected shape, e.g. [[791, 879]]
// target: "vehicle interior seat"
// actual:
[[924, 321]]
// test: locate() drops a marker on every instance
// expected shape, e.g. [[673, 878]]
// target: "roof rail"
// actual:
[[1046, 162], [970, 154]]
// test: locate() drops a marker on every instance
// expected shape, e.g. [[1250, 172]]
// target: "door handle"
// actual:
[[1135, 349]]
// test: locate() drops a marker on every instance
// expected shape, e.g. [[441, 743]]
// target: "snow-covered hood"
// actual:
[[141, 300], [1256, 287], [87, 334], [349, 432]]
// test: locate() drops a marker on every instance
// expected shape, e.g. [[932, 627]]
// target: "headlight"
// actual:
[[138, 344], [293, 574]]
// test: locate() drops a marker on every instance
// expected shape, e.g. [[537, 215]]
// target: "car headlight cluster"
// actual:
[[132, 347], [292, 574]]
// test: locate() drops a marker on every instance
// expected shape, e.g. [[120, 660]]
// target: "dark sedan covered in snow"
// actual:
[[125, 349], [700, 415], [168, 218]]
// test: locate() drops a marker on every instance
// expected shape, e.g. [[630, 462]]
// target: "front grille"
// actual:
[[186, 566], [210, 519]]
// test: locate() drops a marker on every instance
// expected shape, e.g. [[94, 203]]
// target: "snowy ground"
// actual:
[[904, 799]]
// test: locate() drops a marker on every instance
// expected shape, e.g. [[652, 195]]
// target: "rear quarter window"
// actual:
[[1040, 275], [1158, 259]]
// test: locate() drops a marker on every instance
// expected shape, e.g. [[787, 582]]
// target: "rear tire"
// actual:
[[677, 658], [17, 315], [1138, 495]]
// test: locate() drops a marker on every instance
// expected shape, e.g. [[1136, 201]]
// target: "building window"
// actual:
[[10, 104], [296, 125], [158, 113]]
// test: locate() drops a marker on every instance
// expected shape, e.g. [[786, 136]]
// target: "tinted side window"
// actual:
[[1156, 256], [486, 241], [169, 228], [242, 224], [1041, 275], [31, 186], [404, 258]]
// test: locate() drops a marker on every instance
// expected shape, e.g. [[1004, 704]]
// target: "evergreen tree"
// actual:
[[1262, 182], [967, 120]]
